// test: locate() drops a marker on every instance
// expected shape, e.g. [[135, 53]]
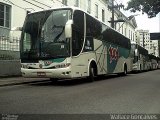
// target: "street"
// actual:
[[135, 93]]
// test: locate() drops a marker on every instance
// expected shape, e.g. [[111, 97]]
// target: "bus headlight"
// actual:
[[24, 66], [63, 65]]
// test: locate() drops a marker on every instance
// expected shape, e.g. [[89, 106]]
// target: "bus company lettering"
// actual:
[[113, 53], [47, 63]]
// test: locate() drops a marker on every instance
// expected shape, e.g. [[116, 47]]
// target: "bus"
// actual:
[[69, 43], [158, 62], [140, 58], [153, 61]]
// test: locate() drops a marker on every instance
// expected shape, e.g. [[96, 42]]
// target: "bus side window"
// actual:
[[78, 32], [89, 45], [93, 27]]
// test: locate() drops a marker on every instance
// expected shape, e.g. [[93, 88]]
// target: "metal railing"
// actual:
[[7, 43], [9, 48]]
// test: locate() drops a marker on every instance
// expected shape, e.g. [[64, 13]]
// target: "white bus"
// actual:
[[140, 58], [153, 62], [158, 62], [69, 43]]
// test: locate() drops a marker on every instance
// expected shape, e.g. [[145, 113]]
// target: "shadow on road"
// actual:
[[73, 82], [144, 71]]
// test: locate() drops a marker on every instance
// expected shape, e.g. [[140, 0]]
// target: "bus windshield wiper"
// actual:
[[56, 38]]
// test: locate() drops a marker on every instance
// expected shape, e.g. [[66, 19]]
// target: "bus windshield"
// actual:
[[43, 35], [133, 47], [133, 54]]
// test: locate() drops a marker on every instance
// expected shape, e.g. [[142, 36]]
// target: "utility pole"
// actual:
[[112, 19], [143, 40], [159, 38], [112, 7]]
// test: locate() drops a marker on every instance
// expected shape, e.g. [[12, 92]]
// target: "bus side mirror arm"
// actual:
[[14, 29], [136, 52], [17, 29], [68, 29]]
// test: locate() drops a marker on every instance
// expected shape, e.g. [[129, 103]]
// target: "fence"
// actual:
[[7, 43], [9, 48]]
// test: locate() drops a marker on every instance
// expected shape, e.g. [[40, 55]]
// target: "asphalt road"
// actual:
[[135, 93]]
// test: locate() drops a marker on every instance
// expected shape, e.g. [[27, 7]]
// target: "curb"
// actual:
[[10, 76], [21, 83]]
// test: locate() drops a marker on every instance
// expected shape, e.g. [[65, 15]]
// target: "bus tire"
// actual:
[[125, 70], [92, 72], [140, 69]]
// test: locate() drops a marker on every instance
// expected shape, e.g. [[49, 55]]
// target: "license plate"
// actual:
[[41, 74]]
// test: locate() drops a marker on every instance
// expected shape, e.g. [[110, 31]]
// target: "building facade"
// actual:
[[143, 39], [155, 47], [13, 13]]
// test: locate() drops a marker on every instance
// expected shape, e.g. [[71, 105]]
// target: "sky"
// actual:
[[143, 22]]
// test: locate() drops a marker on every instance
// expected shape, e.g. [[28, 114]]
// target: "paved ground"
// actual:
[[135, 93], [9, 81]]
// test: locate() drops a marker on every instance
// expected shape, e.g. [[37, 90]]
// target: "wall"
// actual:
[[9, 63], [10, 68], [9, 55]]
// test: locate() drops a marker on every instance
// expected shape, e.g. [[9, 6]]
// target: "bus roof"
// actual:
[[56, 8], [77, 8]]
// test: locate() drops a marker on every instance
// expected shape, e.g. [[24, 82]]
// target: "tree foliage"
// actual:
[[150, 7]]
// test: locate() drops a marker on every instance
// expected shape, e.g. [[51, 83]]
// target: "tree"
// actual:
[[150, 7]]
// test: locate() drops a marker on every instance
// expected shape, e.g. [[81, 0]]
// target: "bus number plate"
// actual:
[[41, 74]]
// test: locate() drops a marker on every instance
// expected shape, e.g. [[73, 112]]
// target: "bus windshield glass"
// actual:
[[133, 47], [133, 54], [43, 35]]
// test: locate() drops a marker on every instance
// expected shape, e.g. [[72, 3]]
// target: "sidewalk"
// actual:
[[7, 81]]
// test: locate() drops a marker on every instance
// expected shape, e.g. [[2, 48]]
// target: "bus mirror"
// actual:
[[136, 52], [68, 29], [14, 33], [17, 29]]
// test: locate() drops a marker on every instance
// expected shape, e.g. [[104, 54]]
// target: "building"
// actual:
[[156, 36], [13, 12], [155, 47], [137, 38], [128, 27], [143, 39]]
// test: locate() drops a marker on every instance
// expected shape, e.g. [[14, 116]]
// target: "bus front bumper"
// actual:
[[47, 73]]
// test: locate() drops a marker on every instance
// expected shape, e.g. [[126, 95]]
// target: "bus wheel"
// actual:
[[91, 74], [140, 70], [125, 70]]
